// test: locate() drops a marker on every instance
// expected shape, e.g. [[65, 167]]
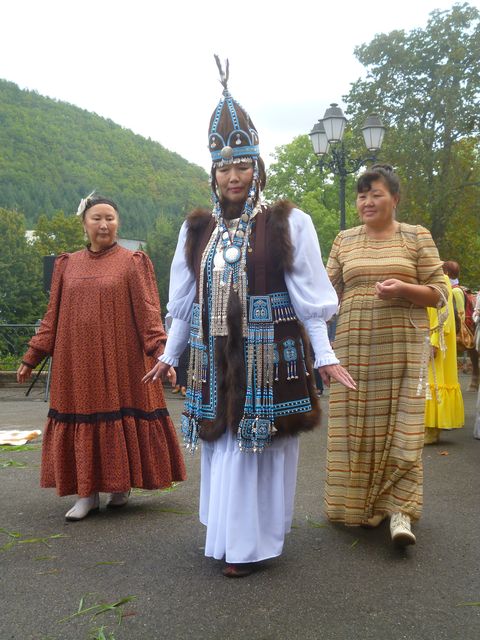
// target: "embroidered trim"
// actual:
[[262, 359]]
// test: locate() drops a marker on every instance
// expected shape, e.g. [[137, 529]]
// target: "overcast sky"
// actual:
[[148, 65]]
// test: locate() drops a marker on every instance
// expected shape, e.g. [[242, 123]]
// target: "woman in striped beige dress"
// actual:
[[386, 273]]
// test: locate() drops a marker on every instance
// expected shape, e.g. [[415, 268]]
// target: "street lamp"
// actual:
[[328, 132]]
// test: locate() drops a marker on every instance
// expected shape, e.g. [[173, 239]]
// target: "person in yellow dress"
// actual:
[[444, 405]]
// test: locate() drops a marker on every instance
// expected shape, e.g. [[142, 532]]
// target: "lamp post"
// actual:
[[328, 132]]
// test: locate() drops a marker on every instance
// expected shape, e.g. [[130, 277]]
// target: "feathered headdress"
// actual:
[[232, 134]]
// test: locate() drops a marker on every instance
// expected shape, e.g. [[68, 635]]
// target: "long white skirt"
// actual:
[[246, 499]]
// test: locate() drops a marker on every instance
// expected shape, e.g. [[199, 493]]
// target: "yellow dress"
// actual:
[[444, 410], [375, 434], [459, 299]]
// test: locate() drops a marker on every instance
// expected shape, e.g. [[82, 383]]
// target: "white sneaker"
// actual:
[[119, 499], [82, 507], [401, 530]]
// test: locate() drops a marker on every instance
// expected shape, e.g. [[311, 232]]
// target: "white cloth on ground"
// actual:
[[247, 499], [16, 437]]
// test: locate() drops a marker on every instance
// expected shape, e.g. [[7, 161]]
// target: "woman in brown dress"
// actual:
[[385, 272], [106, 430]]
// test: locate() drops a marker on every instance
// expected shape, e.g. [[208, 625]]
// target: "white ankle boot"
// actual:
[[401, 530], [118, 499], [82, 507]]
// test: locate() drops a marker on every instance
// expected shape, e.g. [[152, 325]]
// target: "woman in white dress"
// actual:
[[246, 284]]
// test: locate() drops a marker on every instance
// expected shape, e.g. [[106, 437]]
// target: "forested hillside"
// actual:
[[53, 153]]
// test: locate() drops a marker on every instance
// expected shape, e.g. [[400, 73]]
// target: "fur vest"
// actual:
[[269, 257]]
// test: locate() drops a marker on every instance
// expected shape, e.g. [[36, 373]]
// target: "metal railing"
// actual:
[[13, 343]]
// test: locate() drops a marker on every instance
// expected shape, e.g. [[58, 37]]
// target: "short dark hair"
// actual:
[[383, 172], [451, 268], [98, 199]]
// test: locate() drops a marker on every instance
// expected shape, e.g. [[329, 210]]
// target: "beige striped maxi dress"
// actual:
[[376, 433]]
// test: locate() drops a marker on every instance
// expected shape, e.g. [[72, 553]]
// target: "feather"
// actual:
[[83, 203], [223, 74]]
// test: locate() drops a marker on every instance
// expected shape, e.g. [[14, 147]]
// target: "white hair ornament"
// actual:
[[83, 203]]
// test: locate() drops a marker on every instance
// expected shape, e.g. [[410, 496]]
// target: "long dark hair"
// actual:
[[262, 176]]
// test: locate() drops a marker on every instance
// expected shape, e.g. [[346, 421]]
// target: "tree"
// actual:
[[21, 297], [426, 85], [462, 235], [295, 176], [52, 154], [294, 172], [161, 243], [58, 234]]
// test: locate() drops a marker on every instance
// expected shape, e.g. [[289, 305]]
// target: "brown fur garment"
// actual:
[[278, 234], [197, 222], [295, 423], [231, 376], [229, 353]]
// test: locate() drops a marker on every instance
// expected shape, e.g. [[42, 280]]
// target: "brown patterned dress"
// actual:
[[106, 430]]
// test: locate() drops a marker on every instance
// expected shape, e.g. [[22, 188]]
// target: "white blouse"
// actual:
[[311, 293]]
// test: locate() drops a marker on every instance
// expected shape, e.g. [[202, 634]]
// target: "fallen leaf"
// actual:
[[11, 463], [49, 572]]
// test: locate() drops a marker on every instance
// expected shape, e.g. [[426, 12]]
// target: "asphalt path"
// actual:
[[146, 560]]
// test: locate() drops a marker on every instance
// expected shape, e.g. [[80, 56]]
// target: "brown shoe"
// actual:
[[237, 570], [432, 435], [374, 521]]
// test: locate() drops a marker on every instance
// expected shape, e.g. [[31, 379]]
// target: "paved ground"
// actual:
[[331, 583]]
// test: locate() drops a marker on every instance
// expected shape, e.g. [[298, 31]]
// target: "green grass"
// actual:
[[9, 363], [101, 608], [19, 447], [17, 539], [11, 463], [101, 633], [154, 492], [314, 523]]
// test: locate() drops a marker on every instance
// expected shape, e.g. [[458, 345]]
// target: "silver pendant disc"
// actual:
[[231, 254]]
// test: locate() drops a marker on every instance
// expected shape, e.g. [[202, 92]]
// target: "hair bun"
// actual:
[[385, 167], [379, 171]]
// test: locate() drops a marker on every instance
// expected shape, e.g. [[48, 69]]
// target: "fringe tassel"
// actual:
[[257, 425]]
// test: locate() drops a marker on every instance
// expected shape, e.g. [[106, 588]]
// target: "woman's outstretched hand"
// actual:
[[338, 373], [161, 370]]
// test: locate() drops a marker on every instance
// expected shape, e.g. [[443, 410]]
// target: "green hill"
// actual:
[[53, 153]]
